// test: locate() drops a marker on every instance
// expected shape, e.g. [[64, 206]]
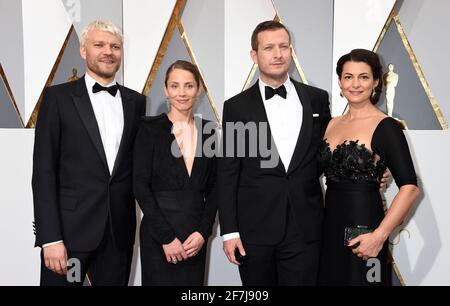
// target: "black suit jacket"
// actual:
[[73, 190], [253, 200]]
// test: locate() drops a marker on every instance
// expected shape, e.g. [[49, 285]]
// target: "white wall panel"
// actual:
[[20, 261], [144, 24], [241, 18], [357, 24], [45, 27], [426, 25], [422, 253]]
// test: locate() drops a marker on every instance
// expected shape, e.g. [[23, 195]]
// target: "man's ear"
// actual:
[[83, 52], [254, 56]]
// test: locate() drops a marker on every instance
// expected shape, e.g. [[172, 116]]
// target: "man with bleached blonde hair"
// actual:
[[84, 207], [103, 25]]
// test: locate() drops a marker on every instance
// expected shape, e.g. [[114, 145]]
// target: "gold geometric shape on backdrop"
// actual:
[[33, 118], [175, 23], [393, 17], [172, 25]]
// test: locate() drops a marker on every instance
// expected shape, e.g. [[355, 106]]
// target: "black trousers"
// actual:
[[291, 262], [107, 266]]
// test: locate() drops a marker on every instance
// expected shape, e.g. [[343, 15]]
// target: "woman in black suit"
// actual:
[[174, 184]]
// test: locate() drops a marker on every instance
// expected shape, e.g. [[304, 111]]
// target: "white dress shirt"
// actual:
[[108, 112], [285, 121]]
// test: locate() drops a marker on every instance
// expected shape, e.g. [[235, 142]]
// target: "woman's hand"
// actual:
[[174, 251], [193, 244], [368, 245]]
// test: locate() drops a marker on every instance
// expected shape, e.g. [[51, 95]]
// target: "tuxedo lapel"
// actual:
[[86, 112], [128, 111], [304, 137], [259, 115]]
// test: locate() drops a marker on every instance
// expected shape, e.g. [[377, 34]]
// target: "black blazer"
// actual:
[[73, 190], [254, 201], [174, 203]]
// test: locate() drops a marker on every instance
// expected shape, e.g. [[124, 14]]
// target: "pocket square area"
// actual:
[[315, 115]]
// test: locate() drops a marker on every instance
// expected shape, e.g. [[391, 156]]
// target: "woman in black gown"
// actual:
[[174, 184], [357, 149]]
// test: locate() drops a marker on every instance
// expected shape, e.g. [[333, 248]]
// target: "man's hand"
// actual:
[[55, 258], [229, 246], [385, 180]]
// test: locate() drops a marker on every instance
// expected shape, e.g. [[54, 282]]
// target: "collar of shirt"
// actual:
[[90, 82], [108, 111], [289, 89], [285, 119]]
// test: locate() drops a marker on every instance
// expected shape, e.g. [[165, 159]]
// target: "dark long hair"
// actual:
[[371, 59]]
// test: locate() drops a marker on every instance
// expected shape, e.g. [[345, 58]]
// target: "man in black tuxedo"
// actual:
[[84, 207], [273, 214]]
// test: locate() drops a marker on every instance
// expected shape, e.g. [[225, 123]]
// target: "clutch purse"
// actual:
[[353, 232]]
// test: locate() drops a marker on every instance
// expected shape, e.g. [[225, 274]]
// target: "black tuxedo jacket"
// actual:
[[254, 200], [73, 190]]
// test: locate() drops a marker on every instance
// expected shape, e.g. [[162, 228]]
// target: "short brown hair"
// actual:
[[269, 25], [183, 65]]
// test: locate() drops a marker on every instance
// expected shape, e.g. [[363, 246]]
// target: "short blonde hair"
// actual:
[[102, 25]]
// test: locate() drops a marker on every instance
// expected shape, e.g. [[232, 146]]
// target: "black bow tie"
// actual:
[[270, 92], [111, 89]]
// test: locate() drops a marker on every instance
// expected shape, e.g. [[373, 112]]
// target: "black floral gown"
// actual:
[[352, 198]]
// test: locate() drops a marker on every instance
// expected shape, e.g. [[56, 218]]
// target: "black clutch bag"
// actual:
[[353, 232]]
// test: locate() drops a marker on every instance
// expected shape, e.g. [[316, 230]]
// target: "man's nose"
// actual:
[[276, 52], [108, 49]]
